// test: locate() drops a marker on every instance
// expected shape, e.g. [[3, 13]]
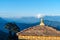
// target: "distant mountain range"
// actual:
[[23, 20], [26, 22], [32, 19], [52, 18]]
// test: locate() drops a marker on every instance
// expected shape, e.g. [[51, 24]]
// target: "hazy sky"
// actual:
[[20, 8]]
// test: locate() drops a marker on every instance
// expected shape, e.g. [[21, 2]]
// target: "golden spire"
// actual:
[[42, 23]]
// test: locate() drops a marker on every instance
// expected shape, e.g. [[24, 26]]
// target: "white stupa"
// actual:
[[42, 23], [41, 16]]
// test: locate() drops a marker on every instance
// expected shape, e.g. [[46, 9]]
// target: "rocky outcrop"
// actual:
[[40, 31]]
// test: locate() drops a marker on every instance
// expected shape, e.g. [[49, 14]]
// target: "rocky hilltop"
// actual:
[[40, 31]]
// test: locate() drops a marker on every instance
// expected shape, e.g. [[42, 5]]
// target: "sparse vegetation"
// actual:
[[13, 28]]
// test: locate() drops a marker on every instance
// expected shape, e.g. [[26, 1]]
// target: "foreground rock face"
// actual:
[[40, 31]]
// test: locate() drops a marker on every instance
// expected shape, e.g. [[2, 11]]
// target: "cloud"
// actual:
[[43, 15], [40, 15]]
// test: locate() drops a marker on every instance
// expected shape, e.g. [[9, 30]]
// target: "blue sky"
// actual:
[[21, 8]]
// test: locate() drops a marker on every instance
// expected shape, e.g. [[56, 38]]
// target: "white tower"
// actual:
[[42, 23]]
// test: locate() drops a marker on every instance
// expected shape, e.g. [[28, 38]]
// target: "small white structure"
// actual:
[[42, 23]]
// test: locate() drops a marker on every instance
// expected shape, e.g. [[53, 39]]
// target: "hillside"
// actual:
[[40, 31], [3, 35]]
